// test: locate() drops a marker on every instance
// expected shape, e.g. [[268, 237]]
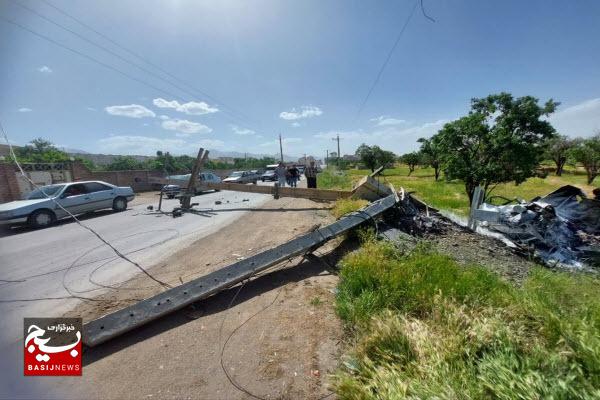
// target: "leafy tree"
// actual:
[[558, 151], [587, 152], [374, 156], [41, 151], [431, 154], [124, 163], [87, 162], [412, 160], [367, 156], [501, 140]]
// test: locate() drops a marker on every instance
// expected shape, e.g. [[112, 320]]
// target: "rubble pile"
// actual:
[[561, 228]]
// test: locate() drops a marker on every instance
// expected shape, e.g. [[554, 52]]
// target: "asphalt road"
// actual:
[[45, 272]]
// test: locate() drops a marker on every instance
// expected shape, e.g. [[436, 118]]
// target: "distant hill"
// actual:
[[105, 159]]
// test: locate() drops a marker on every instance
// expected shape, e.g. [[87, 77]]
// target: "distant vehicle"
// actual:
[[271, 167], [181, 181], [301, 169], [241, 177], [269, 175], [40, 209], [171, 190]]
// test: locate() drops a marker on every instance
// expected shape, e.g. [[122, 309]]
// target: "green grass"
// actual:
[[316, 301], [345, 206], [332, 178], [425, 327], [451, 196]]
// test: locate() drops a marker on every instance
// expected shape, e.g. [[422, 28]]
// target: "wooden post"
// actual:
[[191, 188]]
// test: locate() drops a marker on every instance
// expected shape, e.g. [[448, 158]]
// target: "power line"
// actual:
[[387, 60], [422, 10], [137, 55], [104, 48], [106, 242], [105, 65]]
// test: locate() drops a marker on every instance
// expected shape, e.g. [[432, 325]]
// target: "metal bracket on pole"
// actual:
[[478, 198]]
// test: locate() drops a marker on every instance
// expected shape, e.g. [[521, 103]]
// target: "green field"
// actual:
[[451, 196], [423, 327]]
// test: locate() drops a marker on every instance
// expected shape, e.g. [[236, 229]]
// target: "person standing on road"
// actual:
[[280, 172], [294, 174], [311, 175]]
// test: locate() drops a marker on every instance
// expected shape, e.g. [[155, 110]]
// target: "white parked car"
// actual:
[[179, 182], [242, 177], [39, 209]]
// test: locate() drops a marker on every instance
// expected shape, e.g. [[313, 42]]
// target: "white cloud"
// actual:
[[164, 117], [390, 137], [131, 111], [384, 120], [185, 126], [191, 108], [90, 108], [144, 145], [44, 69], [296, 124], [303, 112], [582, 119], [24, 109], [241, 131]]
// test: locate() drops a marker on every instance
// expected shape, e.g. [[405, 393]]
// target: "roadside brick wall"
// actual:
[[9, 187], [137, 179]]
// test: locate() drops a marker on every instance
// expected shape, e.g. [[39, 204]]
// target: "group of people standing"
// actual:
[[291, 175]]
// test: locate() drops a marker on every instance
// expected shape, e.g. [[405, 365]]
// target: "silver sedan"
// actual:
[[45, 205]]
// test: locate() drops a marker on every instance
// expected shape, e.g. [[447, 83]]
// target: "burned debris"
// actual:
[[561, 228]]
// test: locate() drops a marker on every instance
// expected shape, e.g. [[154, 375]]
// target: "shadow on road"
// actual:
[[19, 229]]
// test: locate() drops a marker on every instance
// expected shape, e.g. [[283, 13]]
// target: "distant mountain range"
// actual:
[[105, 159]]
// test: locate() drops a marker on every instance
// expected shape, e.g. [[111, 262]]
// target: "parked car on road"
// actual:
[[181, 182], [171, 190], [40, 208], [269, 175], [241, 177]]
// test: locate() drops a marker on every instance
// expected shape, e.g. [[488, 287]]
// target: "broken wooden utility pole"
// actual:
[[280, 149], [115, 324], [191, 187]]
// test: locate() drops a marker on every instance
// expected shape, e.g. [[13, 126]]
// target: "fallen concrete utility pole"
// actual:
[[136, 315]]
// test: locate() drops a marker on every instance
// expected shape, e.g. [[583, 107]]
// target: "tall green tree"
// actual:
[[374, 156], [432, 154], [587, 152], [501, 140], [124, 163], [41, 151], [557, 150], [412, 160]]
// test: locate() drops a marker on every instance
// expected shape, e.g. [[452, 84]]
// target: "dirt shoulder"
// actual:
[[280, 332]]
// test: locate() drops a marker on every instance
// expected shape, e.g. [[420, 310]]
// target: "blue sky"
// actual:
[[299, 68]]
